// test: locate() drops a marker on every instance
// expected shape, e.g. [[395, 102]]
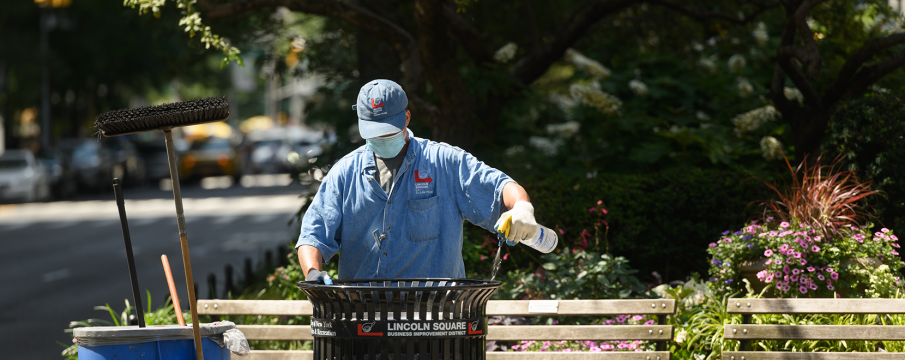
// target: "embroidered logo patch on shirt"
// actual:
[[423, 182]]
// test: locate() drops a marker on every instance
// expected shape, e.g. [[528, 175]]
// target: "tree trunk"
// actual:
[[808, 130], [455, 122]]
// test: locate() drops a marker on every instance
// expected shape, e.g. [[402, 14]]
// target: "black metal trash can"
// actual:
[[400, 319]]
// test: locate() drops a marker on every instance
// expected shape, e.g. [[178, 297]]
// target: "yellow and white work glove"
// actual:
[[521, 223]]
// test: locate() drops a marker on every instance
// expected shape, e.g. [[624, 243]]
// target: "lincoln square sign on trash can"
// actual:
[[399, 318]]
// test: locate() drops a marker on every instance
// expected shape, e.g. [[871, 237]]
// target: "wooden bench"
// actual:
[[659, 333], [746, 332]]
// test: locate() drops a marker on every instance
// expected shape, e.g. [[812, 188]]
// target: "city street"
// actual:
[[61, 259]]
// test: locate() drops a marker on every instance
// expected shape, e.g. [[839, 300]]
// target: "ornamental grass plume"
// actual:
[[823, 197]]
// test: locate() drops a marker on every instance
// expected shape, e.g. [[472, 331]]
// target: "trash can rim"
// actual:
[[338, 284]]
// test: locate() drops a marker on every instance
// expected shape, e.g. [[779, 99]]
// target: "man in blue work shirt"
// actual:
[[395, 206]]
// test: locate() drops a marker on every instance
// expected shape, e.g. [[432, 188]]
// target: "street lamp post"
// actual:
[[48, 22]]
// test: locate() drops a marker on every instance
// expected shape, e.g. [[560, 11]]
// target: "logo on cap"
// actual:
[[375, 103]]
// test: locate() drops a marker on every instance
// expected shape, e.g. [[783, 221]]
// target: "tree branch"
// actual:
[[777, 92], [784, 60], [467, 36], [703, 15], [811, 57], [854, 62], [401, 40], [869, 75], [536, 64]]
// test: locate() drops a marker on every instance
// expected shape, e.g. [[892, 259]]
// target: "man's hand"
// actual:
[[317, 275], [523, 226]]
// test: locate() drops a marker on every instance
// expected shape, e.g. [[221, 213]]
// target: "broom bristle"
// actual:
[[184, 113]]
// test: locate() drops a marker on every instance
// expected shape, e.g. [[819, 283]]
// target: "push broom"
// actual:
[[166, 117]]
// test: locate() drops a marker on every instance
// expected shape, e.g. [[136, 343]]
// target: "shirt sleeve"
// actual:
[[322, 223], [480, 191]]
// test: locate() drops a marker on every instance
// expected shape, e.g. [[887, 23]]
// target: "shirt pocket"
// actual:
[[423, 219]]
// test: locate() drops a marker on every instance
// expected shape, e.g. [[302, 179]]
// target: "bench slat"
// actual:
[[815, 332], [816, 306], [494, 355], [498, 333], [494, 307], [782, 355]]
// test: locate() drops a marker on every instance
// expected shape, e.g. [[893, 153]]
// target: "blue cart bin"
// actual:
[[170, 342]]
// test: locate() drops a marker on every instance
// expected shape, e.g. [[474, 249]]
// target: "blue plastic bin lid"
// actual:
[[118, 335]]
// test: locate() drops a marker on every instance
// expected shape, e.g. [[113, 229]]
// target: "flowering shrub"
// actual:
[[802, 263], [594, 346]]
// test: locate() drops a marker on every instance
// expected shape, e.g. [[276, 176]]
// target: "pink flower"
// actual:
[[727, 240], [811, 269], [515, 347], [885, 230], [895, 245], [649, 322], [505, 256], [795, 271], [483, 258], [785, 269], [768, 262], [829, 269], [803, 262], [803, 289], [893, 237], [894, 252], [830, 287], [815, 248], [592, 209], [546, 344], [821, 277], [784, 224], [788, 260], [783, 248], [712, 244], [816, 238], [769, 278], [797, 255], [877, 239], [768, 252], [813, 286], [606, 346], [834, 276], [561, 231], [637, 317], [794, 278]]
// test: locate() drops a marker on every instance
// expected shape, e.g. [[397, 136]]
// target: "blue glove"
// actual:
[[317, 275]]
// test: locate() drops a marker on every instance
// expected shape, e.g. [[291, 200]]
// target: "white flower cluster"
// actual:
[[586, 64], [760, 33], [753, 119], [514, 151], [638, 87], [592, 96], [545, 145], [566, 129], [744, 87], [563, 102], [771, 147], [680, 336], [736, 62], [506, 53], [793, 94], [708, 63]]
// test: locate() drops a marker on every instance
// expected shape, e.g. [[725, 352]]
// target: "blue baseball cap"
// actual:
[[381, 108]]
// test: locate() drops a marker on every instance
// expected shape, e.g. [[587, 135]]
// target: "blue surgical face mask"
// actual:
[[387, 147]]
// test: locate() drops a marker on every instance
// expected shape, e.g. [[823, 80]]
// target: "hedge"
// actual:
[[661, 222]]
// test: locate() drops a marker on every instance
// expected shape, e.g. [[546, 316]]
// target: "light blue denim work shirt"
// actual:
[[436, 188]]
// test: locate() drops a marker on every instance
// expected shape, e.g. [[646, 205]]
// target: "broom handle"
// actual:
[[130, 260], [183, 239], [176, 307]]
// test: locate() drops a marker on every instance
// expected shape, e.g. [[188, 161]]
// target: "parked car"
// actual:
[[23, 177], [211, 156], [154, 156], [62, 180], [91, 163], [127, 164]]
